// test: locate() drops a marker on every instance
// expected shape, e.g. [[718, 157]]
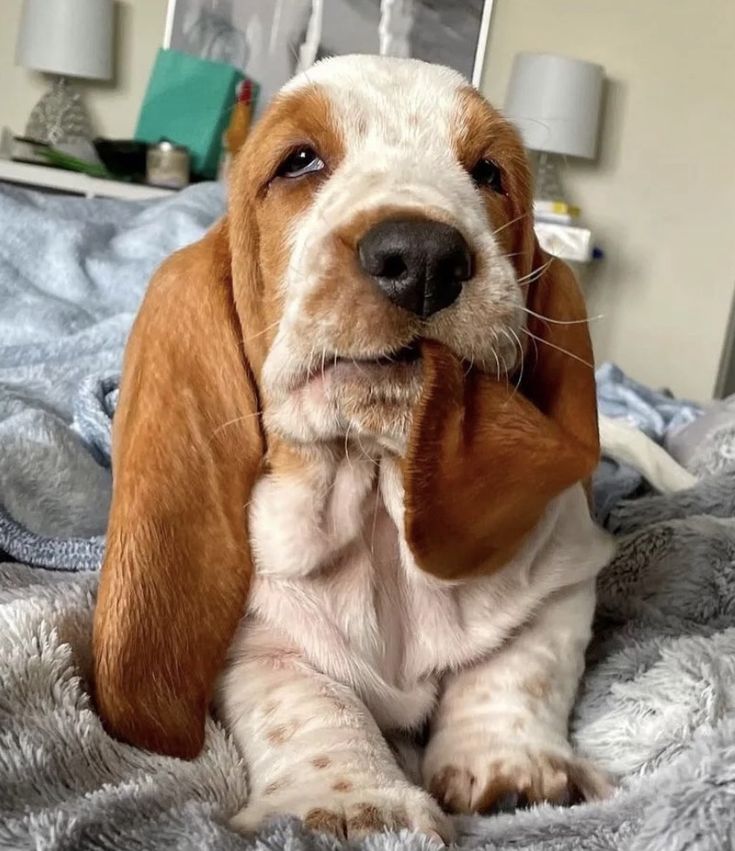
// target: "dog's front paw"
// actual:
[[349, 812], [499, 778]]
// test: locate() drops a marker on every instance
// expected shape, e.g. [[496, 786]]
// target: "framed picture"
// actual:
[[271, 40]]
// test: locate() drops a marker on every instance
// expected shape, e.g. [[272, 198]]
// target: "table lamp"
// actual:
[[555, 103], [66, 38]]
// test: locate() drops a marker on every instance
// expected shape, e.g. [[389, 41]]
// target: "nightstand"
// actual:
[[76, 183]]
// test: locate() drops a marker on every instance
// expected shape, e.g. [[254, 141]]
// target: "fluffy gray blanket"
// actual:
[[657, 706]]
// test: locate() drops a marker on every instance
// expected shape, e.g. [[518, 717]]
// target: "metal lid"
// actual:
[[165, 145]]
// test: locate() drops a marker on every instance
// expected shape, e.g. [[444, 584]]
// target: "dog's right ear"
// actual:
[[187, 448]]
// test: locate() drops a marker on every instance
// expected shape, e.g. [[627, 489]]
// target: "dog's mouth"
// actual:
[[405, 356], [395, 367]]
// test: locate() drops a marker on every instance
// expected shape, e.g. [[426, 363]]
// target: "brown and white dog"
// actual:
[[356, 418]]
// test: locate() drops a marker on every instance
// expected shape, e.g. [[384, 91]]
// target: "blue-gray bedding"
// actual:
[[657, 706], [72, 273], [655, 412]]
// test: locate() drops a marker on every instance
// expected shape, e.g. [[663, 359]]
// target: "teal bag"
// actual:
[[188, 101]]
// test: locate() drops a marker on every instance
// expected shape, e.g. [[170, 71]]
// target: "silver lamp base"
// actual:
[[60, 115], [548, 185]]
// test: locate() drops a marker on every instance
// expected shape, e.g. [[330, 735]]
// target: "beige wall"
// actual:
[[661, 197], [113, 106]]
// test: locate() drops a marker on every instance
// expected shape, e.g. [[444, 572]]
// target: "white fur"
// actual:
[[333, 613], [346, 641]]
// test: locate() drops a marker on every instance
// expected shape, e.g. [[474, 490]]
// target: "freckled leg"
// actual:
[[313, 750], [499, 737]]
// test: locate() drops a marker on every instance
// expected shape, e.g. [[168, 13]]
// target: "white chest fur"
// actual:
[[336, 583]]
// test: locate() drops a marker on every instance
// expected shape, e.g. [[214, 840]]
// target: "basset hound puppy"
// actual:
[[354, 428]]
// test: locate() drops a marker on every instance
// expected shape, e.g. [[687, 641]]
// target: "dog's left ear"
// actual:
[[187, 448], [484, 458]]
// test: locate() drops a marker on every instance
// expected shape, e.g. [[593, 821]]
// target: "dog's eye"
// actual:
[[487, 173], [303, 160]]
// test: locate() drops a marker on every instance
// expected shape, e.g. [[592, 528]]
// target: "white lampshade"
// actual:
[[555, 103], [72, 38]]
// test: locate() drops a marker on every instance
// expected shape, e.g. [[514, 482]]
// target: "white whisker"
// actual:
[[558, 348], [517, 341], [235, 420], [505, 371], [263, 331], [493, 349], [564, 321], [508, 224], [536, 273]]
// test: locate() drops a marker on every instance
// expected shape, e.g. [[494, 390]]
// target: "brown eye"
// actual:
[[487, 173], [301, 161]]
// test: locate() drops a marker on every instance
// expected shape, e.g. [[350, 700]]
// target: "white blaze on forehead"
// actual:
[[396, 104], [381, 80]]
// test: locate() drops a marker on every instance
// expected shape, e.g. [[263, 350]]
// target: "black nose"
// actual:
[[419, 264]]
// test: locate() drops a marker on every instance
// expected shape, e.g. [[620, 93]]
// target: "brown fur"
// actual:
[[451, 788], [177, 563], [325, 821]]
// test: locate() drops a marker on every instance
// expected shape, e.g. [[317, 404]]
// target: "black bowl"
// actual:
[[123, 157]]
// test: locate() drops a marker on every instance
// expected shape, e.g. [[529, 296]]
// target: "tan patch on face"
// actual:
[[282, 733], [263, 208], [345, 290], [342, 785], [321, 762], [484, 133]]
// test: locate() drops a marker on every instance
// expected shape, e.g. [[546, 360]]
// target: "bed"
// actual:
[[657, 704]]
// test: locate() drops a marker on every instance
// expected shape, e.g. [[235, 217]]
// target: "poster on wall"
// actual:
[[270, 40]]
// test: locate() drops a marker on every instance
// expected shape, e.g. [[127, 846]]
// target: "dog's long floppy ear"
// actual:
[[484, 458], [187, 448]]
